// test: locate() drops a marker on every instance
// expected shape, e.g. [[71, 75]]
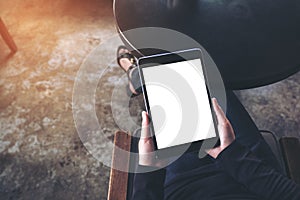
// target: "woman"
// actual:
[[242, 166]]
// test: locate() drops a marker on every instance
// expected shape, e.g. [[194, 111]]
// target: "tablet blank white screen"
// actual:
[[179, 103]]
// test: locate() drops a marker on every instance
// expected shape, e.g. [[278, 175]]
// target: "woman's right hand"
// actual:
[[225, 129]]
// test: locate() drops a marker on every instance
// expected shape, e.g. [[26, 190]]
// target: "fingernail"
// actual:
[[143, 115], [215, 99]]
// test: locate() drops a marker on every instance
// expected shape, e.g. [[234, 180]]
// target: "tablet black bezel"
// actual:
[[167, 58]]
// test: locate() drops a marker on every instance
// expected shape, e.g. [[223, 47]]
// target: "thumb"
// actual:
[[145, 133], [213, 152]]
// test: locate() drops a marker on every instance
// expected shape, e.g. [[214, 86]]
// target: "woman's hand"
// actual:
[[225, 129], [147, 156]]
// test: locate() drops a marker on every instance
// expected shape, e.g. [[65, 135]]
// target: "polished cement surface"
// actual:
[[43, 155]]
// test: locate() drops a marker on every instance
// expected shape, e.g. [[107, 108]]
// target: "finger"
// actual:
[[145, 120], [221, 117], [213, 152], [145, 133]]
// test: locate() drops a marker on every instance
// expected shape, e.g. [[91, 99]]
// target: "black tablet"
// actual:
[[177, 98]]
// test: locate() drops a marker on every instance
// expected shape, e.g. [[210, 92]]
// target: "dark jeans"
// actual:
[[246, 133], [135, 81]]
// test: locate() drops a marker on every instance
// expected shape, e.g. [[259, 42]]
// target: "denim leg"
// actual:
[[247, 132], [136, 83]]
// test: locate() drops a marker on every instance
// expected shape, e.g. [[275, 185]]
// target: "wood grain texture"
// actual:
[[119, 179]]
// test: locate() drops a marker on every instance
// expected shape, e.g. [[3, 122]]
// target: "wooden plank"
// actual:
[[7, 37], [119, 179]]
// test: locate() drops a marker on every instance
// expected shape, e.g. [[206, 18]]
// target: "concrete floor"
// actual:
[[275, 107], [42, 154]]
